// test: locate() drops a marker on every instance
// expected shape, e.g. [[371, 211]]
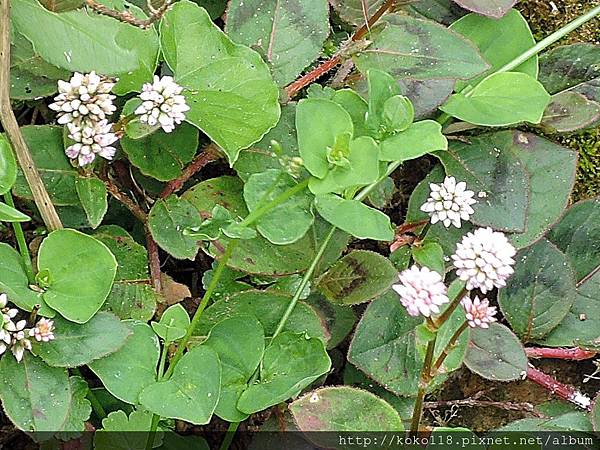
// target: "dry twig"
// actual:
[[127, 17]]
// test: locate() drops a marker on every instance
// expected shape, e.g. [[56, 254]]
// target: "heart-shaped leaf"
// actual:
[[358, 277], [570, 111], [78, 344], [290, 363], [569, 65], [496, 354], [215, 73], [35, 396], [120, 432], [76, 294], [173, 323], [419, 49], [239, 342], [274, 28], [133, 367], [540, 292], [192, 392]]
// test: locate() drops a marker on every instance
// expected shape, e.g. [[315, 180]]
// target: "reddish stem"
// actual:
[[154, 262], [292, 89], [209, 155], [572, 354], [564, 391]]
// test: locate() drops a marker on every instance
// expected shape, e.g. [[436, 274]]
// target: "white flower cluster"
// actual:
[[162, 104], [15, 336], [449, 202], [479, 313], [484, 259], [422, 291], [84, 104]]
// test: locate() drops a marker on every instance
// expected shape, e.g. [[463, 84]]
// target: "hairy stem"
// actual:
[[9, 122], [572, 354], [564, 391], [451, 343], [208, 155], [21, 242]]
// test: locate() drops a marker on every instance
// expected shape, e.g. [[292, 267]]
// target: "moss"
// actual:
[[545, 17]]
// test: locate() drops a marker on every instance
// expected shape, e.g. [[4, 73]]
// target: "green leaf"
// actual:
[[355, 218], [430, 254], [358, 277], [74, 48], [93, 197], [120, 432], [167, 221], [570, 111], [192, 392], [258, 255], [382, 194], [354, 11], [540, 292], [492, 8], [426, 95], [319, 122], [381, 87], [8, 166], [47, 150], [499, 40], [362, 169], [288, 35], [343, 408], [406, 47], [76, 294], [216, 73], [499, 100], [445, 12], [35, 396], [239, 341], [173, 323], [291, 362], [268, 308], [262, 155], [569, 65], [10, 214], [496, 354], [339, 319], [80, 409], [133, 367], [577, 236], [78, 344], [496, 171], [289, 221], [162, 155], [131, 296], [354, 105], [14, 282], [419, 139]]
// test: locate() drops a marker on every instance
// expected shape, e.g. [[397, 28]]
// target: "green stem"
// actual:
[[305, 279], [21, 242], [423, 382], [441, 319], [96, 405], [451, 343], [537, 48], [159, 376], [366, 190], [551, 39], [229, 435]]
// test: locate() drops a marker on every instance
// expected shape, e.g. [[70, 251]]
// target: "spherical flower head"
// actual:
[[449, 202], [84, 98], [43, 331], [479, 313], [484, 259], [421, 290], [91, 140], [162, 104]]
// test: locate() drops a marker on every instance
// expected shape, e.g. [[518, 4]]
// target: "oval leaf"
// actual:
[[496, 354], [93, 196], [357, 278], [8, 166]]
